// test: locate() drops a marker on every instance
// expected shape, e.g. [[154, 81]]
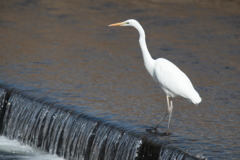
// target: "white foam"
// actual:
[[17, 150]]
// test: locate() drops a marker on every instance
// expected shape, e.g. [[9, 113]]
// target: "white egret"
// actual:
[[169, 77]]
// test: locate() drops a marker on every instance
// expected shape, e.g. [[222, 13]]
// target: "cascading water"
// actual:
[[59, 130]]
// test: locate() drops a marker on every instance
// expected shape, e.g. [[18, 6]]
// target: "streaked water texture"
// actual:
[[70, 134]]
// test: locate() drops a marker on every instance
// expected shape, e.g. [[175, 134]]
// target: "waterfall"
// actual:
[[70, 134]]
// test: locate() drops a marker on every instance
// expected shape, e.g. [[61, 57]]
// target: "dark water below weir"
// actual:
[[64, 50], [73, 135]]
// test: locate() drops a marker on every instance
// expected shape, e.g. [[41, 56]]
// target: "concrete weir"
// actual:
[[75, 136]]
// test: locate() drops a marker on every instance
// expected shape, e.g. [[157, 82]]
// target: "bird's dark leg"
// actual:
[[155, 128], [169, 100], [161, 121]]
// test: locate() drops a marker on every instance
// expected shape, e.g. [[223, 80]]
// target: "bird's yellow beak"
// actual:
[[116, 24]]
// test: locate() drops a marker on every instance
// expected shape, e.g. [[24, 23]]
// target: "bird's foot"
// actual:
[[164, 133], [152, 130], [155, 131], [167, 133]]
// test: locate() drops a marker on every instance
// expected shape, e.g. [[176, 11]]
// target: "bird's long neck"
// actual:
[[148, 60]]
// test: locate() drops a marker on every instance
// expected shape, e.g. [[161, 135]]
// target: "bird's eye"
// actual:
[[127, 22]]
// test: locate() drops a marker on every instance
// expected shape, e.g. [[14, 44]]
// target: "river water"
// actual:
[[64, 50]]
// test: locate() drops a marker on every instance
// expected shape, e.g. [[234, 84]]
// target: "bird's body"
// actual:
[[169, 77]]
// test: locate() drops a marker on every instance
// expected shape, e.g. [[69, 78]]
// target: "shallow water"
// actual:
[[65, 51]]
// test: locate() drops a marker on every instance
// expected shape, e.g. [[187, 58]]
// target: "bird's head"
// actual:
[[130, 22]]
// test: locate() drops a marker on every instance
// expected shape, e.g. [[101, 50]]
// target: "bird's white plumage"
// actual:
[[173, 81], [169, 77]]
